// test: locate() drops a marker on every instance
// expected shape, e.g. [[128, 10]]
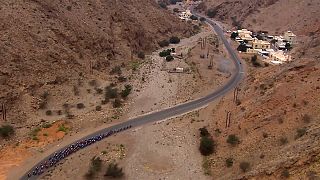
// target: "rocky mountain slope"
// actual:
[[45, 44]]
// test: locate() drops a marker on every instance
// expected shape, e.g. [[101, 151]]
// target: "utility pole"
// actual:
[[4, 112]]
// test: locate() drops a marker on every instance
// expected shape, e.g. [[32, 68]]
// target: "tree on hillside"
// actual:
[[211, 13]]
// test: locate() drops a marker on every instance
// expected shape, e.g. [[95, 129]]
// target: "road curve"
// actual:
[[181, 108]]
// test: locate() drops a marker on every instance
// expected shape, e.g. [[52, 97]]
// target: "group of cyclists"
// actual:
[[58, 156]]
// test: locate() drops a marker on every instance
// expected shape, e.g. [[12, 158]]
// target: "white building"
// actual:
[[185, 15]]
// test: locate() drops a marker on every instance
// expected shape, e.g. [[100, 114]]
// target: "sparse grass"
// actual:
[[244, 166], [34, 133], [63, 128], [206, 165], [45, 134], [93, 83], [233, 140], [116, 70]]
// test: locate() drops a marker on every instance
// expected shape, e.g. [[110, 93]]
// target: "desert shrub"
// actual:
[[141, 55], [122, 79], [207, 146], [169, 58], [80, 106], [211, 13], [93, 82], [202, 19], [48, 112], [163, 5], [117, 103], [233, 140], [283, 141], [165, 53], [204, 132], [114, 171], [163, 43], [76, 91], [254, 61], [176, 10], [229, 162], [174, 40], [116, 70], [193, 17], [244, 166], [95, 166], [265, 135], [285, 173], [69, 8], [98, 108], [306, 118], [6, 131], [111, 93], [300, 132], [126, 91]]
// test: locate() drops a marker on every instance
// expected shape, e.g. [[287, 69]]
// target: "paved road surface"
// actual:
[[182, 108]]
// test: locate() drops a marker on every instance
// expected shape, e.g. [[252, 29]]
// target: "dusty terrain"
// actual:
[[155, 93]]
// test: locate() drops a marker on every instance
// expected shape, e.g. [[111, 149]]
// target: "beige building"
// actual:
[[290, 37], [259, 44], [244, 33], [279, 56]]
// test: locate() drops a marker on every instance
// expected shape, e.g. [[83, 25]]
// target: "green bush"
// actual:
[[207, 146], [244, 166], [6, 131], [114, 171], [233, 140], [165, 53], [174, 40], [169, 58]]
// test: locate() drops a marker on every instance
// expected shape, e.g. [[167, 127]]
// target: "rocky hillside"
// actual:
[[45, 44]]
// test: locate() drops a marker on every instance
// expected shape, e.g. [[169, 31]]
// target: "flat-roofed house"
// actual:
[[260, 44], [290, 37]]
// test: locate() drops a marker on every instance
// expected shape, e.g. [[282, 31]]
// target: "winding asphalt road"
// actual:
[[179, 109]]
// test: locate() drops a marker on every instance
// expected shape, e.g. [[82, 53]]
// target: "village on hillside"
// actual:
[[273, 49]]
